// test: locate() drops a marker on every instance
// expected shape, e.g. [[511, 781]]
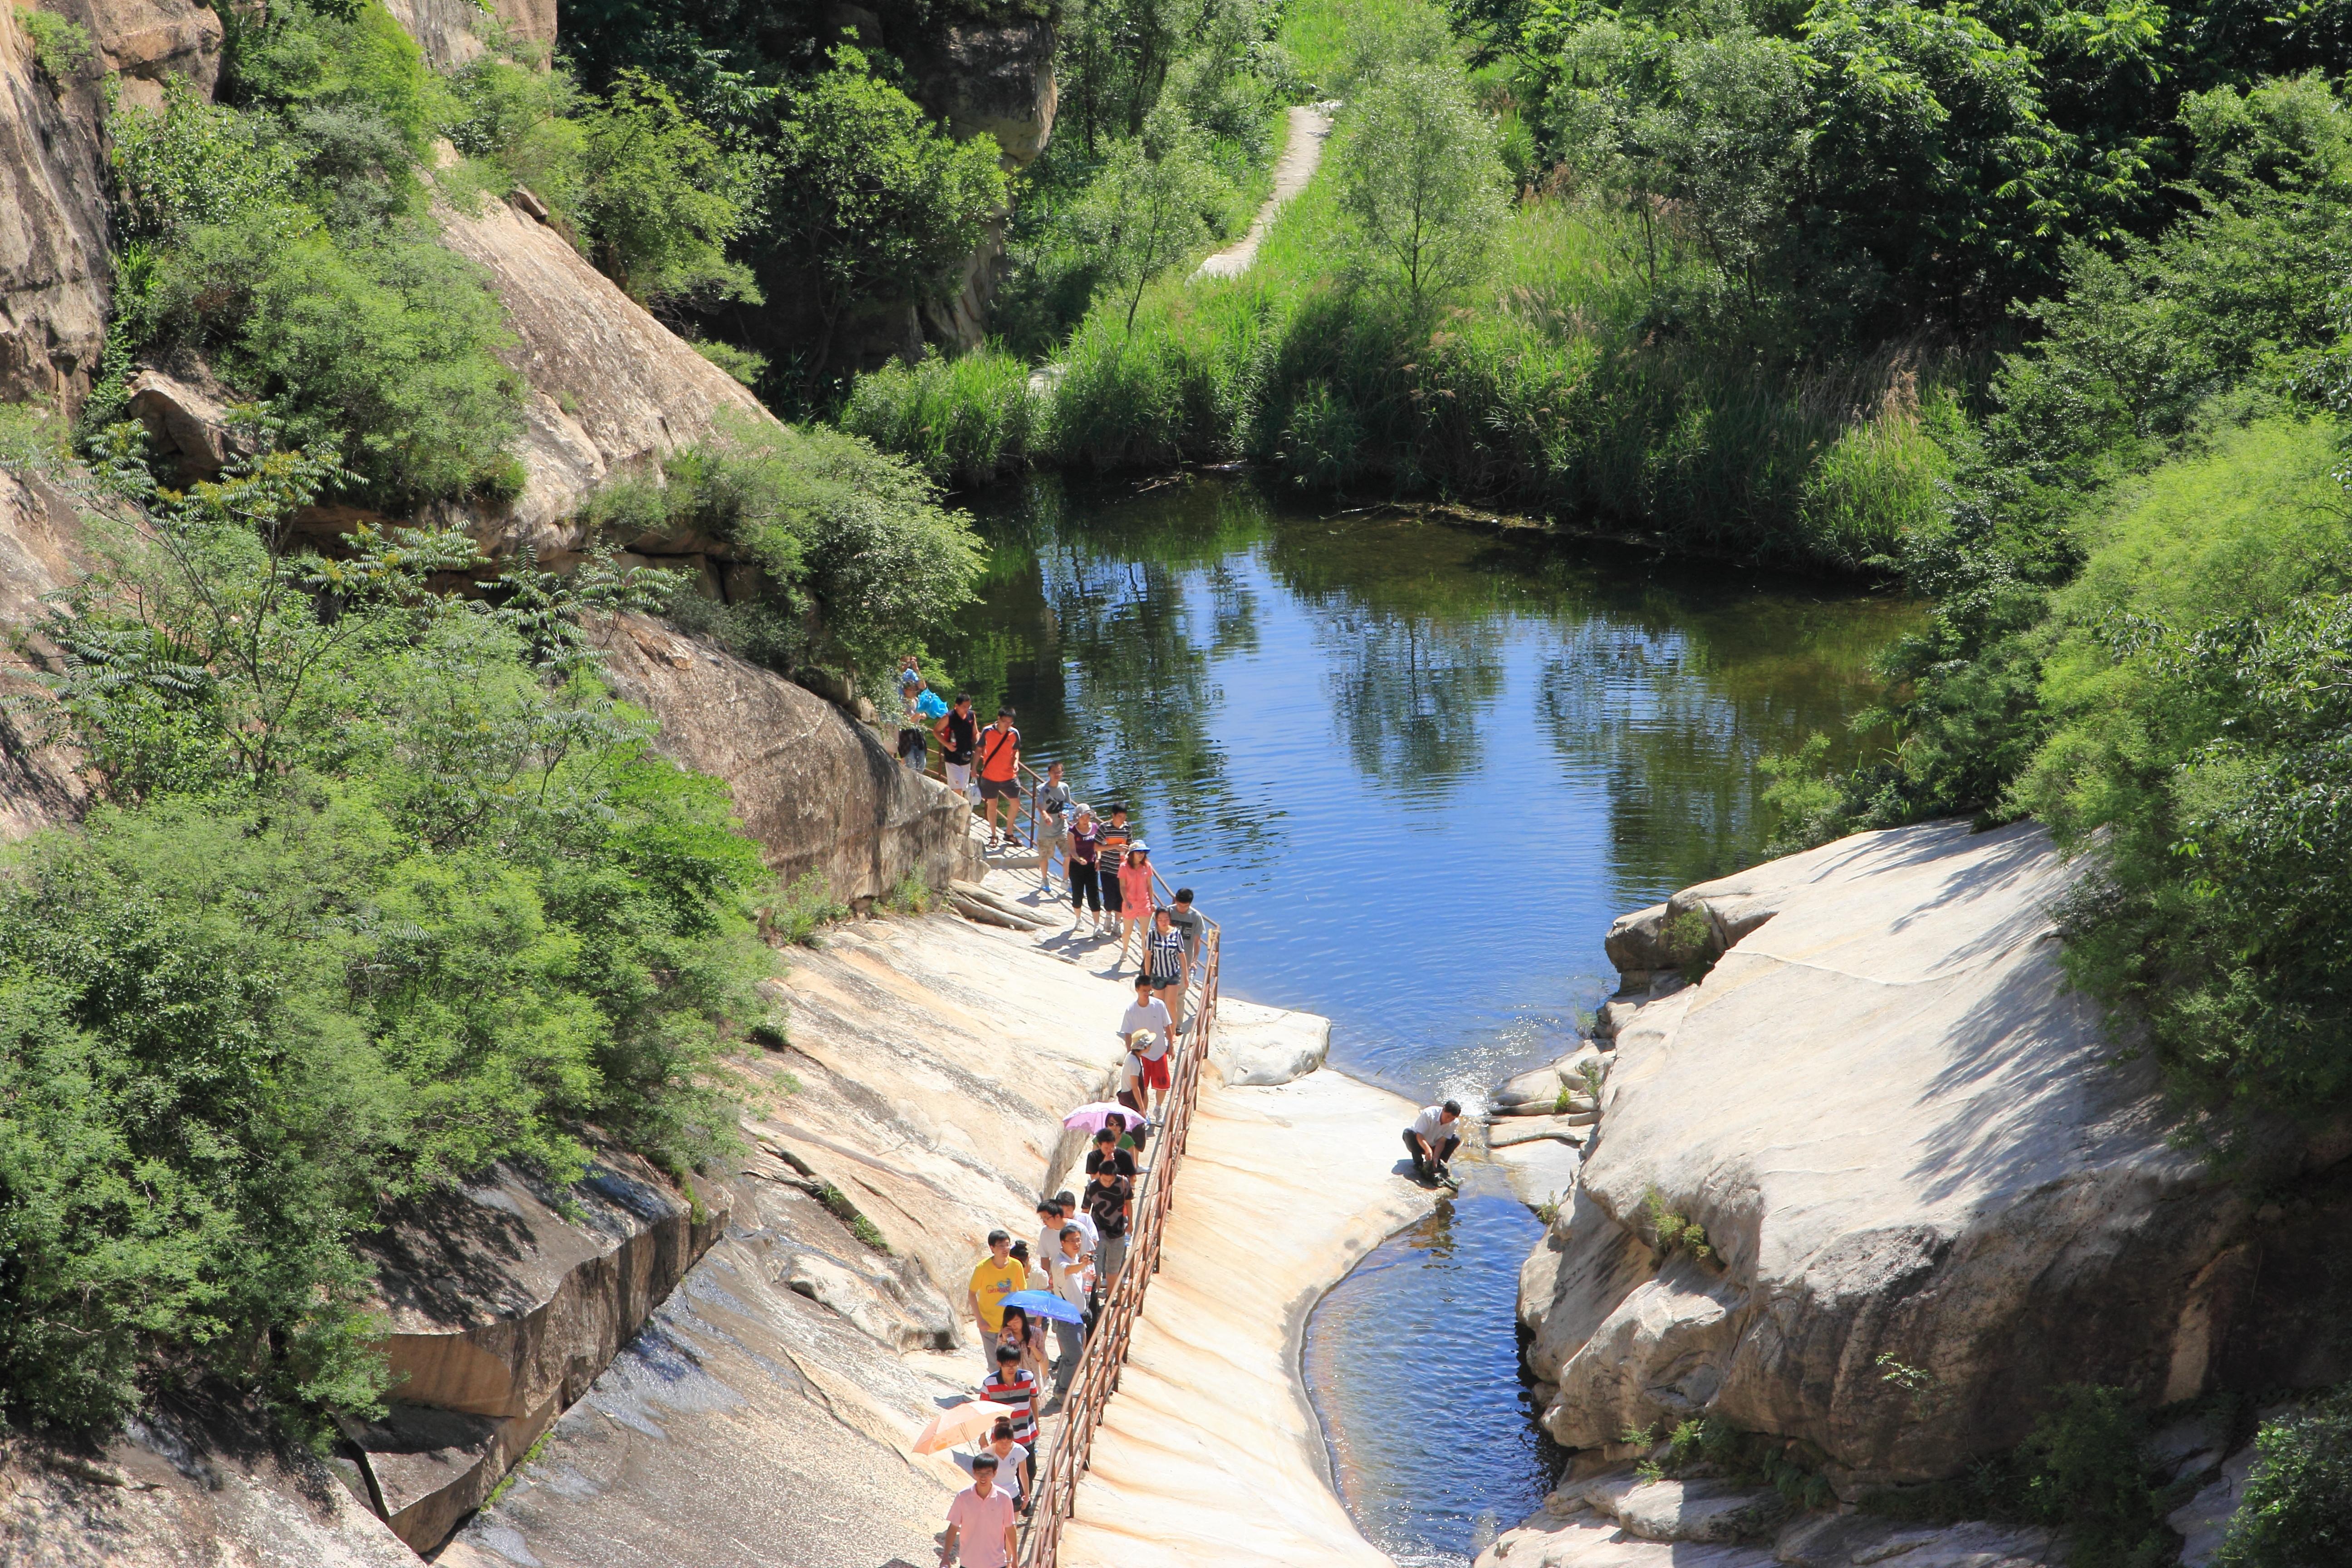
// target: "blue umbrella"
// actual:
[[1044, 1304]]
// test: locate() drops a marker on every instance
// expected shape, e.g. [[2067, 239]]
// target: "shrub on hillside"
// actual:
[[2297, 1509], [384, 887], [859, 556]]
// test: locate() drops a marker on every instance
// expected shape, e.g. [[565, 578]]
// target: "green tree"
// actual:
[[872, 199], [1147, 209], [1420, 178], [659, 198]]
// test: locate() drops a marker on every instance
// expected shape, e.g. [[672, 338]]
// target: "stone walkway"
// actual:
[[1210, 1453], [1301, 154]]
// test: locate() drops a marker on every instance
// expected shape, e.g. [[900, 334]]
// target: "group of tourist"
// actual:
[[1081, 1247], [1030, 1357]]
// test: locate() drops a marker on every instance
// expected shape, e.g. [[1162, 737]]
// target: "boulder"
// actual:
[[1520, 1130], [213, 1490], [1537, 1088], [1255, 1044], [504, 1300], [187, 425], [610, 389], [1702, 1511], [817, 789], [1910, 1144], [1638, 941]]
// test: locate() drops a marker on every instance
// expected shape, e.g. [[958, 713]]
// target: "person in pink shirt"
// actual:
[[1134, 903], [979, 1519]]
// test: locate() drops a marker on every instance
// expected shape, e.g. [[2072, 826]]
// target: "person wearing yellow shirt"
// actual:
[[996, 1276]]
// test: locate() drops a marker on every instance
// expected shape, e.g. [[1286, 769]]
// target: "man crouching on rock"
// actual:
[[1432, 1139]]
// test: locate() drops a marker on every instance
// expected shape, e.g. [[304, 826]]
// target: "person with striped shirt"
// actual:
[[1016, 1388], [1164, 962]]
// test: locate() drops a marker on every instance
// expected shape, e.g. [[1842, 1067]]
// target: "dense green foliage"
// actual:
[[383, 888], [2138, 631], [832, 522], [2297, 1512]]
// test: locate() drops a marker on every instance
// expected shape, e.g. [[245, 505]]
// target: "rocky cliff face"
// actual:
[[1930, 1191], [780, 1388], [611, 388], [57, 268], [817, 789], [41, 549]]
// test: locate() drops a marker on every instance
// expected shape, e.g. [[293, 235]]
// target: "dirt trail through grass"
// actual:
[[1300, 155]]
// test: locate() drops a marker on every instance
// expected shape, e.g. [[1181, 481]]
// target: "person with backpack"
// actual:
[[999, 777], [1054, 800]]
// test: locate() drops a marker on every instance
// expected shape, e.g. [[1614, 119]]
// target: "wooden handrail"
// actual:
[[1056, 1479]]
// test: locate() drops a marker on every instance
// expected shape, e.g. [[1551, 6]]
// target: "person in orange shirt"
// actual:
[[1000, 777]]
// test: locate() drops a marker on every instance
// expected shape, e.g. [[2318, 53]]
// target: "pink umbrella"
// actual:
[[1092, 1117], [959, 1424]]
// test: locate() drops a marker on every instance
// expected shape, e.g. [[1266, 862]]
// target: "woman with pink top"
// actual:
[[1135, 900]]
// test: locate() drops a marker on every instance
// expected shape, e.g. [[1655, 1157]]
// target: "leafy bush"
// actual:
[[2297, 1509], [388, 347], [1675, 1232], [870, 198], [385, 886], [658, 199], [61, 47], [963, 420], [840, 528], [807, 906]]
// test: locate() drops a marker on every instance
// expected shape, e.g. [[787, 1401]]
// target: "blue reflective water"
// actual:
[[1416, 768]]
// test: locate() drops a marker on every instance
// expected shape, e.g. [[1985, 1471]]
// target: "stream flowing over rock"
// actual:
[[1931, 1190]]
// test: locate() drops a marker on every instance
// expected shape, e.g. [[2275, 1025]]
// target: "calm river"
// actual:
[[1416, 768]]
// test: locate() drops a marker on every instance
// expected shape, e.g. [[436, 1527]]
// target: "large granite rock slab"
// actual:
[[1267, 1046], [918, 1105], [611, 388], [1906, 1143], [817, 789], [212, 1492]]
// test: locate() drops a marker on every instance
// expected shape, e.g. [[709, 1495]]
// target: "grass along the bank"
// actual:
[[1534, 389], [1542, 384]]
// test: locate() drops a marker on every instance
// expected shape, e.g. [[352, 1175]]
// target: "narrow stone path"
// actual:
[[1301, 154], [1210, 1452]]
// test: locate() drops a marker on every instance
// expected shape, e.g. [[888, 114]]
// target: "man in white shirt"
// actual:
[[1050, 1219], [1148, 1013], [1432, 1139], [1075, 1271], [1075, 1213], [979, 1519]]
